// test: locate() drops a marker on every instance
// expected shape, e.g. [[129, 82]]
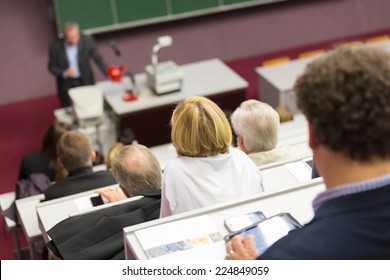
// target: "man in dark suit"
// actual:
[[69, 61], [99, 235], [345, 96], [76, 156]]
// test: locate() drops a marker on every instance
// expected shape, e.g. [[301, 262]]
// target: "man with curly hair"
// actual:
[[345, 96]]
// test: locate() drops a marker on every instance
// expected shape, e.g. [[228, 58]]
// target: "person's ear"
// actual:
[[125, 191], [93, 156], [60, 164], [313, 140], [240, 144]]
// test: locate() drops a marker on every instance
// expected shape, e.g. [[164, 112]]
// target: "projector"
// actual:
[[165, 77]]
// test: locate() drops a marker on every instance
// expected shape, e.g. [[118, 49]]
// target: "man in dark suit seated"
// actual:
[[76, 156], [345, 96], [99, 234]]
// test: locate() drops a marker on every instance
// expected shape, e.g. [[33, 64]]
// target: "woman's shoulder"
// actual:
[[177, 162]]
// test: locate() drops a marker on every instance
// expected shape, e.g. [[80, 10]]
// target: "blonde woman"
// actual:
[[207, 170]]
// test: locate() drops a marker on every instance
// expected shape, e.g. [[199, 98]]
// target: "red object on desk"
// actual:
[[130, 96], [114, 72]]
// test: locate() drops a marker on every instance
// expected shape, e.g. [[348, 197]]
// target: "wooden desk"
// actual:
[[149, 116], [28, 217], [6, 199], [280, 175], [298, 120], [276, 82], [292, 132], [29, 221], [296, 201], [299, 139], [51, 212]]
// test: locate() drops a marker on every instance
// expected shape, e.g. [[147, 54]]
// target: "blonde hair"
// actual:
[[200, 128], [257, 123]]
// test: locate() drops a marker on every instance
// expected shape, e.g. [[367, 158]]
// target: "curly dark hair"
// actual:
[[345, 96]]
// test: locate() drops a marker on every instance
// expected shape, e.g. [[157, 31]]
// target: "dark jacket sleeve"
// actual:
[[99, 235], [57, 65], [95, 55]]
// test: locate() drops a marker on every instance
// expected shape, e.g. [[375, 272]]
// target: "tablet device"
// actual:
[[268, 231], [240, 222]]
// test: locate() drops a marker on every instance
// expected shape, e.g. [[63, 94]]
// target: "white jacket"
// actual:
[[191, 183]]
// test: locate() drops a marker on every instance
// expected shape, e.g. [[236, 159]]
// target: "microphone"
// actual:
[[113, 46]]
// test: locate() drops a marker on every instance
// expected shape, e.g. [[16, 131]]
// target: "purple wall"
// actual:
[[26, 31]]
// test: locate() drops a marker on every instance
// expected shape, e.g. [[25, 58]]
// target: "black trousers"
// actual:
[[63, 88]]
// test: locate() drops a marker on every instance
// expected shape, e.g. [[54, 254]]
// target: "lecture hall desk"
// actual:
[[149, 116]]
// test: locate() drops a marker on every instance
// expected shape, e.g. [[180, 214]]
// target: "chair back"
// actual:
[[275, 61], [311, 53], [378, 39], [352, 44], [87, 102]]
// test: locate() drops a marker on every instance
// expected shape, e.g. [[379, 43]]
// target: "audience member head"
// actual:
[[200, 128], [51, 137], [284, 113], [75, 151], [72, 32], [346, 98], [111, 153], [135, 168], [49, 144], [127, 136], [256, 125], [228, 114]]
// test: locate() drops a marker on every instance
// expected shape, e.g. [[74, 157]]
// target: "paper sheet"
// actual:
[[194, 238], [300, 170], [83, 203]]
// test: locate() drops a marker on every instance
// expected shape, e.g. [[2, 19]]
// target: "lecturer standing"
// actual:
[[69, 61]]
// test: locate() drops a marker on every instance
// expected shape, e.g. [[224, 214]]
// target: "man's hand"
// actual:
[[240, 248], [70, 72], [112, 194]]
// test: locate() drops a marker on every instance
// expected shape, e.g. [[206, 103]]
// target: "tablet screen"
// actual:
[[269, 231]]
